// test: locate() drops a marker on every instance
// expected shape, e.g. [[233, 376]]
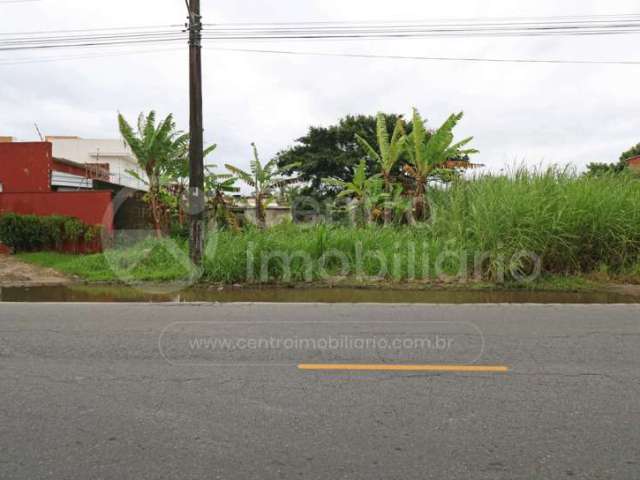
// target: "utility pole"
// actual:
[[196, 147]]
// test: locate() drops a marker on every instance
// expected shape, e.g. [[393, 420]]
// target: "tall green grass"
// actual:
[[574, 224], [298, 253]]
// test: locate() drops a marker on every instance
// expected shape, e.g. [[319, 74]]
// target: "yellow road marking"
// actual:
[[405, 368]]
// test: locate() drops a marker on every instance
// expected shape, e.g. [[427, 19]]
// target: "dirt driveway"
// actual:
[[14, 273]]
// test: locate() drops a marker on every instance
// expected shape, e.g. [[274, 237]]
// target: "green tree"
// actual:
[[388, 155], [334, 152], [596, 169], [364, 190], [175, 180], [163, 153], [632, 152], [156, 148], [599, 169], [217, 186], [264, 179], [428, 154]]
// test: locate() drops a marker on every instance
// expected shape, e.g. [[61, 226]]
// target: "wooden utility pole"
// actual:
[[196, 160]]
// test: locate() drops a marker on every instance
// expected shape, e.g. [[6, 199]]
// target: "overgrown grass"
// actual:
[[149, 260], [89, 267], [575, 224], [481, 229]]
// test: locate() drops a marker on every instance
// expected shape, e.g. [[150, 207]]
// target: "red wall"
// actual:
[[25, 170], [92, 207], [25, 167]]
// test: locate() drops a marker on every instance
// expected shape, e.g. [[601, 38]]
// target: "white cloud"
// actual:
[[552, 113]]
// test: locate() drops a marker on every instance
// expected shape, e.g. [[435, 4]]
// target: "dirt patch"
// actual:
[[14, 273]]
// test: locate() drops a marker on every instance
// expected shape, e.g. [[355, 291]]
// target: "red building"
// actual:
[[32, 181], [634, 163]]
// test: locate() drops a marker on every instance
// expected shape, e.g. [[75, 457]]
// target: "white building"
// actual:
[[113, 152]]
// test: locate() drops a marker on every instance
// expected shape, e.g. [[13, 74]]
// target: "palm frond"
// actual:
[[370, 151], [436, 152], [383, 136], [164, 130], [462, 143], [241, 174], [416, 145], [360, 173], [289, 167], [209, 150], [223, 176], [345, 193], [137, 176], [419, 136], [270, 167], [256, 167], [130, 138], [142, 120], [395, 147], [148, 132], [334, 182], [406, 145], [228, 186]]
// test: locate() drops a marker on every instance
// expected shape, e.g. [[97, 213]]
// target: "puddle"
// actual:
[[83, 293]]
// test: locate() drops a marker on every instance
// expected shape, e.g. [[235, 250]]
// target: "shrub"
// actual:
[[32, 232]]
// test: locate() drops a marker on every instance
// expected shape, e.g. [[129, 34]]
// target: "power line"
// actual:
[[617, 25], [166, 37], [100, 29], [90, 44], [413, 29], [415, 57], [63, 41], [309, 26], [498, 26], [338, 31], [93, 55], [437, 20], [413, 35], [27, 61]]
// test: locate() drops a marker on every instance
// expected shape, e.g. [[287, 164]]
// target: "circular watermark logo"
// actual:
[[145, 260]]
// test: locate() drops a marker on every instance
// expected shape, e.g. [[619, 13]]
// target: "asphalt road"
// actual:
[[124, 392]]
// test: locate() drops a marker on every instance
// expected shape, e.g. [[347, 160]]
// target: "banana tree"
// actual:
[[389, 154], [428, 153], [175, 179], [155, 147], [365, 191], [401, 205], [217, 186], [264, 179]]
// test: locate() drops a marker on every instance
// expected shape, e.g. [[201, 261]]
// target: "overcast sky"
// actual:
[[516, 112]]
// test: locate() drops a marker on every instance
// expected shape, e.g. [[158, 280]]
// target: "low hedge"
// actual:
[[28, 233]]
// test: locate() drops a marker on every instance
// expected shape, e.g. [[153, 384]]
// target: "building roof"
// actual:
[[634, 163], [48, 138], [71, 163], [462, 164]]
